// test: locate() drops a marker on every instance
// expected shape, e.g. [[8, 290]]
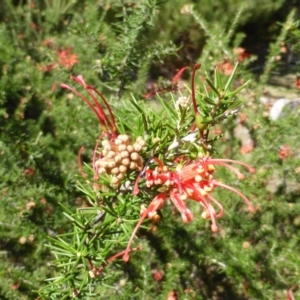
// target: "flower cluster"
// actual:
[[183, 179], [183, 102], [118, 156], [191, 181], [65, 57]]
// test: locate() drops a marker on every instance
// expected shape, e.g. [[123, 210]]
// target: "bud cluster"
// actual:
[[183, 102], [119, 156]]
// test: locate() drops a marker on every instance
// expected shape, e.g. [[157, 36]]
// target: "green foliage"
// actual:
[[124, 53], [102, 227], [208, 32], [293, 37], [275, 48], [293, 40], [52, 222]]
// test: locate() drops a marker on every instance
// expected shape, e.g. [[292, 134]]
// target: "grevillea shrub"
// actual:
[[139, 166], [42, 127]]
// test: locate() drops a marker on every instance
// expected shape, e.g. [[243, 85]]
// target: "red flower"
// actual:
[[192, 181], [106, 120], [172, 296], [157, 275], [118, 154], [66, 58], [297, 82], [284, 152], [241, 54], [29, 172], [225, 67]]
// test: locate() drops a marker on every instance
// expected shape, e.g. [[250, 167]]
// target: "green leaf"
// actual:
[[230, 79]]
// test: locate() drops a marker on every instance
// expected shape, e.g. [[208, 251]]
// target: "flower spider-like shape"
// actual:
[[117, 154], [193, 181]]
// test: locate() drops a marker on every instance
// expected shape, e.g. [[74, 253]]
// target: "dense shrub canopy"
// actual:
[[54, 222]]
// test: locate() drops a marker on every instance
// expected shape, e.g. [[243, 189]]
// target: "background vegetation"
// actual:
[[126, 48]]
